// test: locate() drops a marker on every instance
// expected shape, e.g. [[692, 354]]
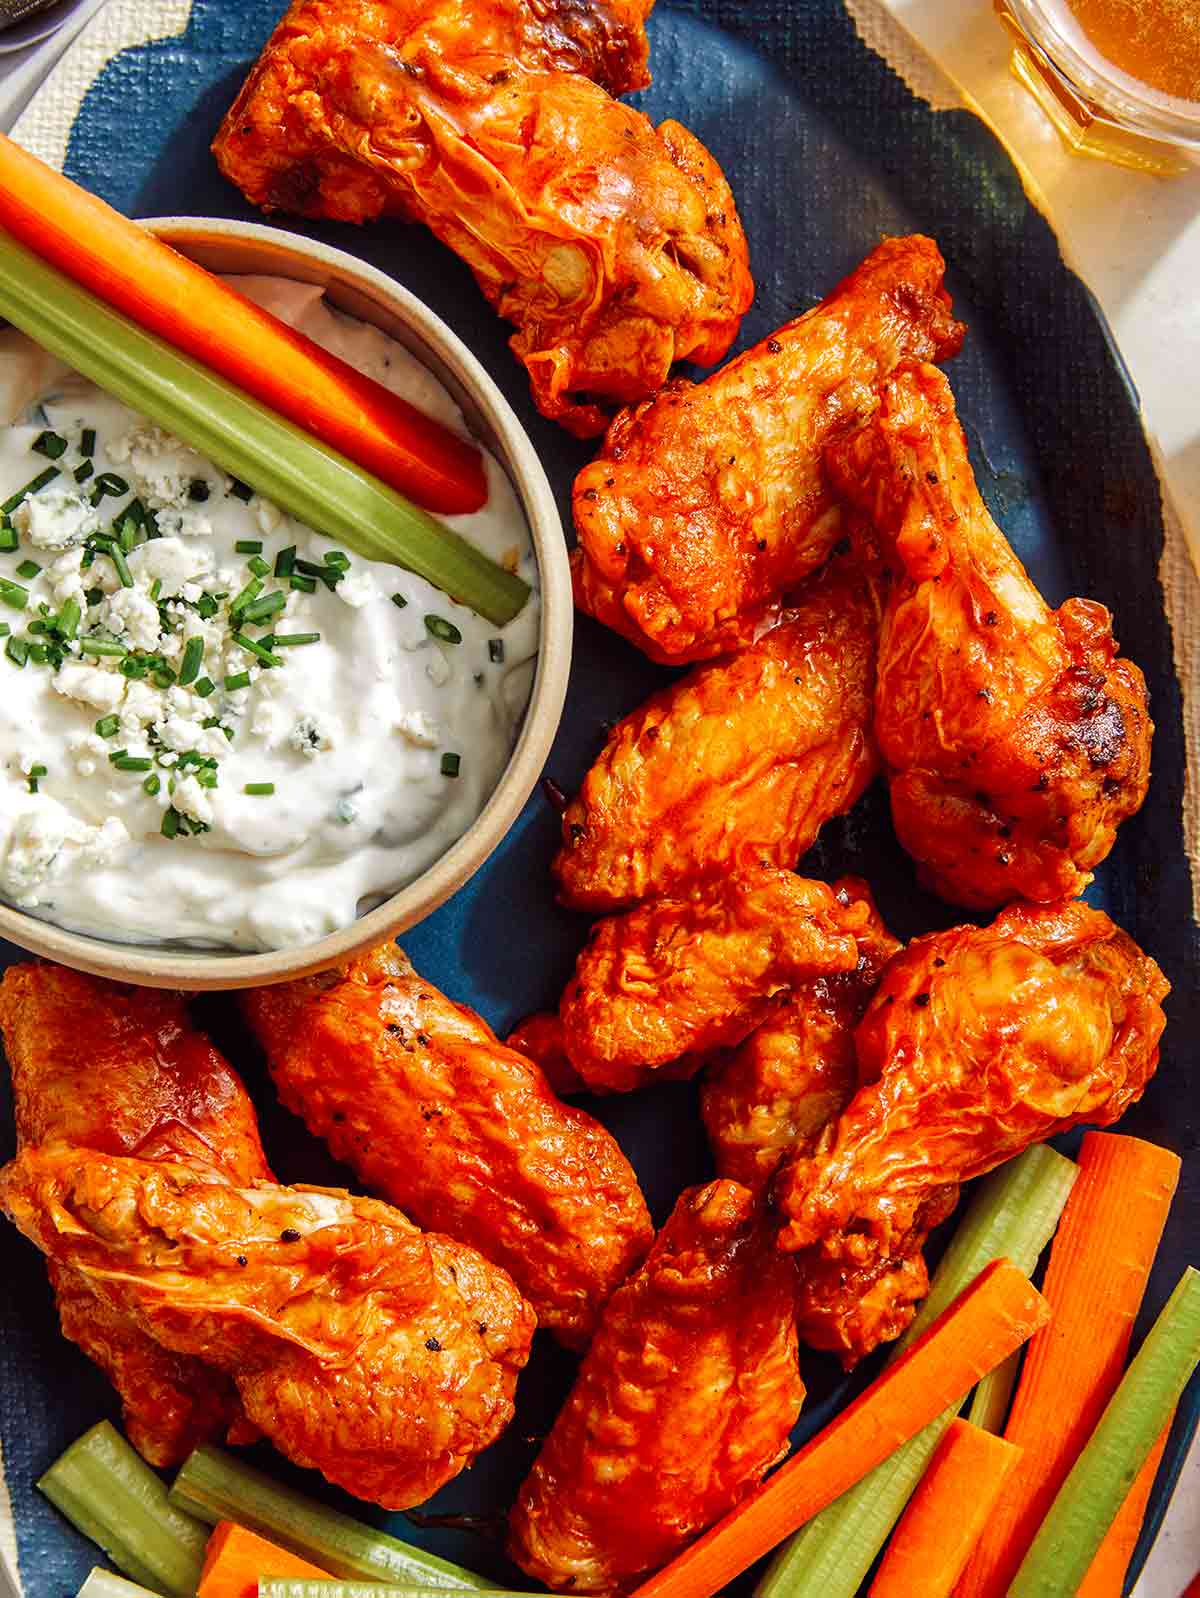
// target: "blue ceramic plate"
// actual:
[[826, 150]]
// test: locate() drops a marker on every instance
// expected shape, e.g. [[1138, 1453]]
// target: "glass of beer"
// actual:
[[1119, 78]]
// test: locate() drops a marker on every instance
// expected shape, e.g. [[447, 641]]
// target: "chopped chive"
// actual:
[[248, 594], [28, 569], [164, 677], [189, 666], [156, 589], [451, 765], [8, 539], [94, 596], [117, 754], [249, 546], [122, 567], [288, 640], [13, 594], [204, 686], [105, 648], [52, 445], [259, 566], [260, 609], [206, 607], [133, 763], [170, 822], [39, 771], [439, 627], [239, 679], [40, 654], [87, 442], [133, 666], [33, 487], [5, 629], [311, 569], [285, 561], [303, 585], [17, 651], [198, 490], [496, 650], [399, 601], [152, 784], [241, 490], [108, 483], [339, 559], [260, 789], [257, 650], [69, 617], [83, 471]]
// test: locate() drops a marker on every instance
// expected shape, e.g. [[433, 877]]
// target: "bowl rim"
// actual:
[[198, 970]]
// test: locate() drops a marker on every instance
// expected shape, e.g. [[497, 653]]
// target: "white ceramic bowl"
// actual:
[[371, 296]]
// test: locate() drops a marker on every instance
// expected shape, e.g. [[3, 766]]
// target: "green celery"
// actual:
[[313, 483], [1089, 1499], [313, 1587], [111, 1495], [1013, 1215], [993, 1396], [103, 1584], [214, 1486]]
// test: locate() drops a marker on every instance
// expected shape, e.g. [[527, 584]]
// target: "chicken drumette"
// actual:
[[659, 989], [978, 1042], [465, 1135], [707, 504], [120, 1071], [683, 1402], [1015, 738], [614, 246], [737, 764]]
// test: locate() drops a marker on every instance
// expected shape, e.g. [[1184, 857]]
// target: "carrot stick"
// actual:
[[997, 1313], [127, 267], [236, 1559], [1099, 1263], [946, 1514], [1106, 1573]]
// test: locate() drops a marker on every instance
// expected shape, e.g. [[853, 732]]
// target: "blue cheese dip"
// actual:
[[217, 729]]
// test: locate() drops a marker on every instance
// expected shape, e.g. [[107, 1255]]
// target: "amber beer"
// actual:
[[1119, 78]]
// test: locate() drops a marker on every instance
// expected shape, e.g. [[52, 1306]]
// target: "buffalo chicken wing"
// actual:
[[707, 504], [614, 246], [683, 1402], [737, 764], [120, 1071], [978, 1042], [465, 1135], [1015, 738]]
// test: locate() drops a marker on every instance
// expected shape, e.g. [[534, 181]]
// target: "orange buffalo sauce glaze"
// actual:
[[1157, 41]]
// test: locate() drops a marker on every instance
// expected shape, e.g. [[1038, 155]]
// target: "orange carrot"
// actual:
[[996, 1314], [1106, 1573], [166, 293], [946, 1514], [1099, 1264], [237, 1558]]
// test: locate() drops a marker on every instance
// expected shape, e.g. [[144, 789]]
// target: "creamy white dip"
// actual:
[[228, 803]]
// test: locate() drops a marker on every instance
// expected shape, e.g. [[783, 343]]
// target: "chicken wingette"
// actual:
[[683, 1402], [119, 1070], [659, 989], [613, 245], [435, 1114], [740, 762], [384, 1357], [978, 1042], [709, 503], [1016, 740]]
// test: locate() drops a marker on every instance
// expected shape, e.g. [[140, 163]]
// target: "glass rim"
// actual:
[[1116, 93]]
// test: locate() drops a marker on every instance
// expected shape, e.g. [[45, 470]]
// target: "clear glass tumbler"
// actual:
[[1099, 108]]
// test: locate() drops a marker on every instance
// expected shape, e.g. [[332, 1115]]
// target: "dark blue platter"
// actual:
[[826, 150]]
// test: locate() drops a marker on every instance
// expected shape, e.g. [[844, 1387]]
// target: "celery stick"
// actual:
[[1088, 1501], [993, 1396], [111, 1495], [215, 1486], [311, 1587], [314, 483], [103, 1584], [1013, 1215]]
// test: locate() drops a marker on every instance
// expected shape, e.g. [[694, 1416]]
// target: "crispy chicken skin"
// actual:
[[380, 1355], [774, 1096], [662, 987], [978, 1042], [739, 763], [120, 1071], [1016, 740], [463, 1134], [707, 504], [614, 247], [683, 1402]]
